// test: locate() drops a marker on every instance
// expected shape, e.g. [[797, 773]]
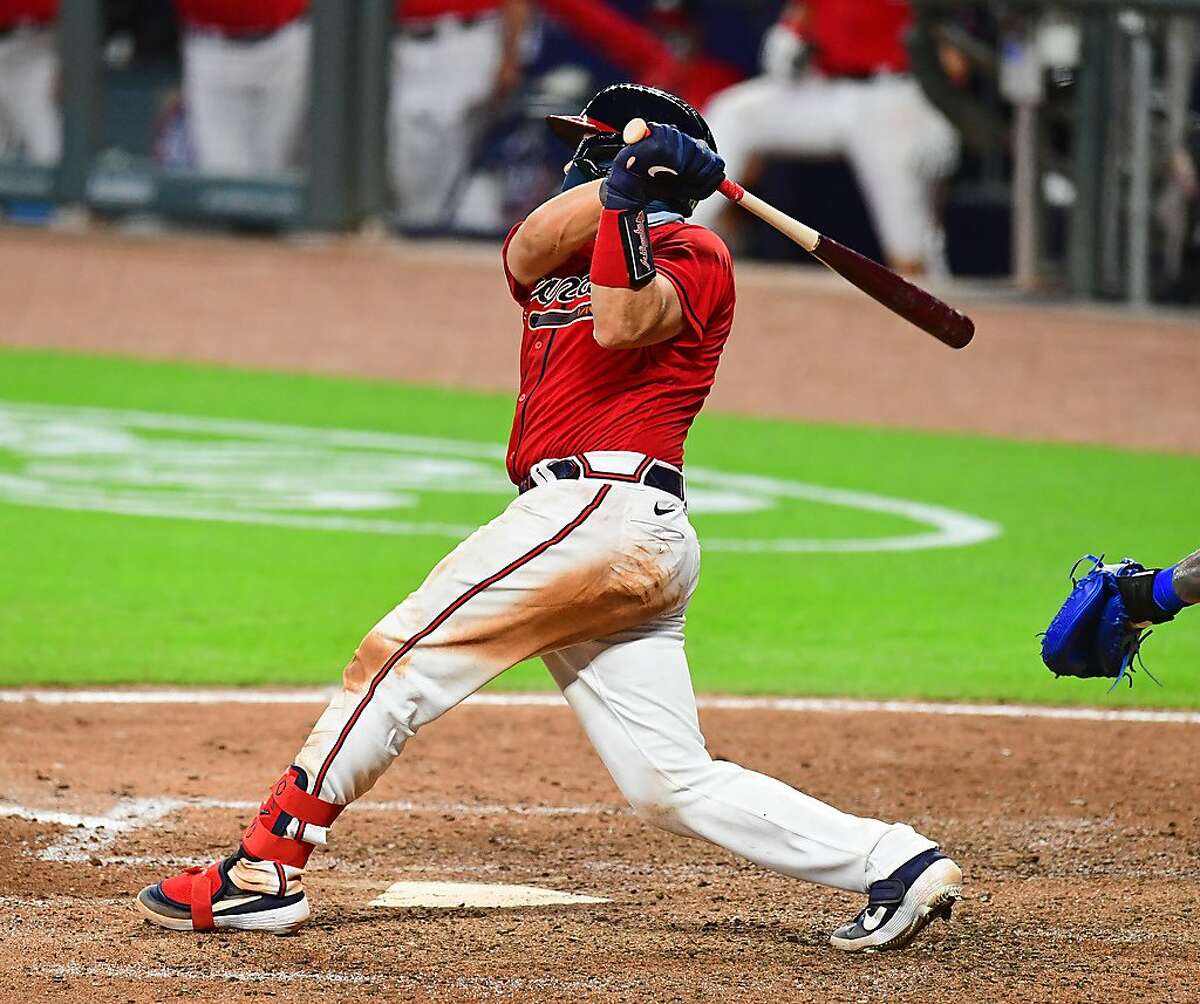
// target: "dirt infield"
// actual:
[[1079, 841], [805, 345]]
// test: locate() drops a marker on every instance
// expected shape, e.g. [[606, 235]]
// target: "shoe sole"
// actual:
[[932, 896], [282, 921]]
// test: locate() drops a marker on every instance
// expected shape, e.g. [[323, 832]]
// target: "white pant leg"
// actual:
[[633, 696], [767, 115], [28, 74], [901, 150], [439, 86], [563, 563], [247, 101], [285, 61], [218, 96]]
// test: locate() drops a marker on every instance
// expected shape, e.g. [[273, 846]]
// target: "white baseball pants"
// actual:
[[247, 102], [594, 576], [29, 116], [439, 86], [898, 145]]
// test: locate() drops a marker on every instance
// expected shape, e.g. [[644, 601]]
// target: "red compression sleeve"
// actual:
[[623, 258]]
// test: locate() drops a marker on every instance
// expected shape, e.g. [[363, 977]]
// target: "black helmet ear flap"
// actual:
[[595, 154]]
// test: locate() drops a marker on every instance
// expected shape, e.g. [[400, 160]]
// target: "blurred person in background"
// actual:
[[30, 124], [1179, 201], [245, 83], [835, 83], [453, 61], [665, 49]]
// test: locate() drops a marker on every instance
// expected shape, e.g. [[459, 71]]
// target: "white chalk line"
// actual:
[[25, 902], [107, 970], [834, 705], [87, 836], [495, 985]]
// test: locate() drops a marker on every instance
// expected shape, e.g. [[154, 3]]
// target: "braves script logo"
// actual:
[[568, 300], [645, 263]]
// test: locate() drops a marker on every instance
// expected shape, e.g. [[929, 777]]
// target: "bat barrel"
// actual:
[[915, 305]]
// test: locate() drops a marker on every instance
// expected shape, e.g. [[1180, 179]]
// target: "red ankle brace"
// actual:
[[266, 836]]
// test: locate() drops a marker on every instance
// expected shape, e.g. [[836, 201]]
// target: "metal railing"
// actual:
[[1118, 89], [344, 177]]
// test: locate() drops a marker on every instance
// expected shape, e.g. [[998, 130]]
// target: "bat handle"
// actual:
[[732, 190], [801, 233]]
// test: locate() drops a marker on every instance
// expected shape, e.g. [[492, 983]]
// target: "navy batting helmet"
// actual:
[[596, 131]]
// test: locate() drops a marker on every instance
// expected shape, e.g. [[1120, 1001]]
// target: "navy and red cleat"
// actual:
[[206, 899]]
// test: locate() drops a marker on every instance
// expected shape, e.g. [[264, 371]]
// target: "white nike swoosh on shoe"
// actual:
[[873, 918], [229, 904]]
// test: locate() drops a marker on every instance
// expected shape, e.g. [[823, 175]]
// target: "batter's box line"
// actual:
[[87, 836], [497, 986]]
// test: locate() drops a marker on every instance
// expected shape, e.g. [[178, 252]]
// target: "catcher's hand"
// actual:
[[1092, 634]]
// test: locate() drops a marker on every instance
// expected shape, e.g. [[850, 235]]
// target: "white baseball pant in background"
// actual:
[[247, 102], [594, 576], [440, 85], [29, 117], [898, 145]]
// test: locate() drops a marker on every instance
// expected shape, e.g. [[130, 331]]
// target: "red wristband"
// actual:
[[623, 258]]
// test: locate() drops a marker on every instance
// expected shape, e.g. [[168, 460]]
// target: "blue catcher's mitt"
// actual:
[[1092, 634]]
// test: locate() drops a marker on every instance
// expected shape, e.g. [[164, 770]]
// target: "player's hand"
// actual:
[[666, 164]]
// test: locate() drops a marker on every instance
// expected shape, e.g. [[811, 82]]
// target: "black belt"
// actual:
[[243, 37], [12, 29], [427, 31], [861, 75], [656, 475]]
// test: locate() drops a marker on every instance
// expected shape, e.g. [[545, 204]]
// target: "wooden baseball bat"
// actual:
[[919, 307]]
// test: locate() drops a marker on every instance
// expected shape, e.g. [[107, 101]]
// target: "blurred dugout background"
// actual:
[[1053, 143]]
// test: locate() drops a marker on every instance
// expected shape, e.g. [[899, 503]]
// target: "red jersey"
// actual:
[[577, 396], [427, 10], [240, 16], [852, 38], [15, 12]]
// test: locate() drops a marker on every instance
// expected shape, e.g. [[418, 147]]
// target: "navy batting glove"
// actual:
[[666, 164]]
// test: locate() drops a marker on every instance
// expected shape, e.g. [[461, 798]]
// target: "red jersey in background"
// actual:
[[577, 396], [428, 10], [15, 12], [644, 53], [240, 16], [856, 38]]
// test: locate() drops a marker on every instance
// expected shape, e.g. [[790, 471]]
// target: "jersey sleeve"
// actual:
[[519, 293], [698, 264]]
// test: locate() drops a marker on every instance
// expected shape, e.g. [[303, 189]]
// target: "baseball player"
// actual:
[[836, 84], [626, 308], [245, 83], [450, 59], [664, 46], [29, 116]]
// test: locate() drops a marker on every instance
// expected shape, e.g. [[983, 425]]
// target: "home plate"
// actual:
[[475, 894]]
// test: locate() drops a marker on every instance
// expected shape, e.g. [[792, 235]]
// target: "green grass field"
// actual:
[[96, 597]]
